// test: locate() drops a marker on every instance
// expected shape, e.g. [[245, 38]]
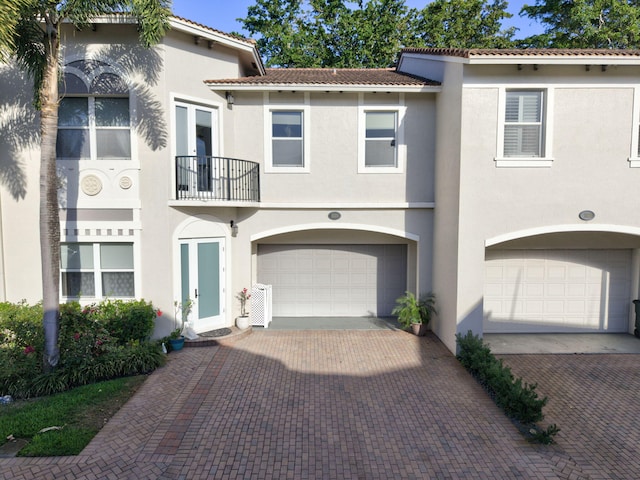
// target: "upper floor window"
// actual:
[[523, 124], [380, 139], [524, 134], [287, 139], [93, 119], [287, 136], [381, 147], [97, 270]]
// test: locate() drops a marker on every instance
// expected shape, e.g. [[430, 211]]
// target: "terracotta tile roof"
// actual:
[[513, 52], [330, 76], [250, 41]]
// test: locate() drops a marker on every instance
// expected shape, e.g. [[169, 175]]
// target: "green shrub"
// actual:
[[518, 400], [99, 342], [125, 320]]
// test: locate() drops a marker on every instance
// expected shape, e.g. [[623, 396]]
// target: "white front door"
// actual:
[[202, 281], [196, 145]]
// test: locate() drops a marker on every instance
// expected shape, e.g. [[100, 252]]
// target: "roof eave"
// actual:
[[475, 59], [324, 88], [245, 46]]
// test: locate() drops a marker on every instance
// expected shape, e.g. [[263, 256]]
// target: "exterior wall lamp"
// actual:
[[230, 99], [234, 228]]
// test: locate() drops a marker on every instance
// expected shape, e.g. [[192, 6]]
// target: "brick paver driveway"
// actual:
[[343, 405]]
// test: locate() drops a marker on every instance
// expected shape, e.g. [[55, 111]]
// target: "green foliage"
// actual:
[[127, 321], [68, 410], [585, 24], [410, 309], [464, 24], [518, 400], [329, 33], [546, 436], [88, 350]]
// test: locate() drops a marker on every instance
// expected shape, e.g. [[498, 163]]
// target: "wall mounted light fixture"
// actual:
[[234, 228], [230, 99]]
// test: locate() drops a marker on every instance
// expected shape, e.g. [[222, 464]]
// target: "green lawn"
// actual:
[[81, 412]]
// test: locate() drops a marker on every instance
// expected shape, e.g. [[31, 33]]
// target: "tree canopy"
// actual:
[[341, 33], [585, 23]]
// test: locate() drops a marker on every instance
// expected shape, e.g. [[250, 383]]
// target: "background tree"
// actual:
[[30, 35], [464, 24], [585, 23], [329, 33]]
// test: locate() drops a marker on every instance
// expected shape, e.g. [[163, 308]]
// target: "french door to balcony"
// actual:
[[196, 144], [202, 281]]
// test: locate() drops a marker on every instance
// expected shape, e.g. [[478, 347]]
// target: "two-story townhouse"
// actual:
[[536, 219], [319, 183]]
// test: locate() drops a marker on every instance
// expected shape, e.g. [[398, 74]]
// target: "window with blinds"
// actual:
[[524, 123]]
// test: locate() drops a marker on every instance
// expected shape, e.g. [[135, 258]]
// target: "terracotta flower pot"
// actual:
[[419, 329]]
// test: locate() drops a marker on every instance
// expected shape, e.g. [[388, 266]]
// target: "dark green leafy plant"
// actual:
[[411, 309], [517, 399]]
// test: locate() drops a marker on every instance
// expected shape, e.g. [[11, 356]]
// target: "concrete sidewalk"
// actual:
[[313, 405]]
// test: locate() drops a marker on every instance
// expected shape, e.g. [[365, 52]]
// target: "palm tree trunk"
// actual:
[[49, 215]]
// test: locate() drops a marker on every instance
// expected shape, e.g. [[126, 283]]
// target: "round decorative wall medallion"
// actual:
[[125, 183], [91, 185]]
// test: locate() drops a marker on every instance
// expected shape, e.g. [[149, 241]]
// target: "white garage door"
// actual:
[[333, 280], [557, 291]]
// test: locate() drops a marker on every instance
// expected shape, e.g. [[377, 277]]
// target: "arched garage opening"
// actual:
[[335, 272], [572, 281]]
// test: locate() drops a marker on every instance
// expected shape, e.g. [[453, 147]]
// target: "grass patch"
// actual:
[[81, 412]]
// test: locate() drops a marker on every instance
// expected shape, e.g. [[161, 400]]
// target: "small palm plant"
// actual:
[[413, 310]]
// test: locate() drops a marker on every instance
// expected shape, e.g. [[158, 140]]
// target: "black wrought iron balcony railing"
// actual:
[[217, 178]]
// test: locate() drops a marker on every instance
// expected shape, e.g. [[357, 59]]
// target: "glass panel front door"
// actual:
[[202, 281]]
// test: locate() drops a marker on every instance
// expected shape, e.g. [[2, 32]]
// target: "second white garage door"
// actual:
[[557, 291], [333, 280]]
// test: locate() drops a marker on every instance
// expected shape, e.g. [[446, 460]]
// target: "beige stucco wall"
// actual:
[[592, 128]]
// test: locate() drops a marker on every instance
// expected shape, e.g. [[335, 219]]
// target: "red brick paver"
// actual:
[[324, 405]]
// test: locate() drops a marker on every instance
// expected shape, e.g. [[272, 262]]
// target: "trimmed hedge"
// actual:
[[518, 400]]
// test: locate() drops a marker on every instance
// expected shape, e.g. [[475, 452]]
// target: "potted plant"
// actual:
[[182, 311], [242, 322], [415, 313]]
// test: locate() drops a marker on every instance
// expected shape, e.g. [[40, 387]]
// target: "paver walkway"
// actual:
[[316, 405]]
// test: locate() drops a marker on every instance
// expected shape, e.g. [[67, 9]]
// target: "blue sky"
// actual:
[[222, 14]]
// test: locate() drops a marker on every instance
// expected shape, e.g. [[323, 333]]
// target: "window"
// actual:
[[287, 123], [523, 124], [381, 147], [380, 139], [97, 270], [93, 118], [287, 148]]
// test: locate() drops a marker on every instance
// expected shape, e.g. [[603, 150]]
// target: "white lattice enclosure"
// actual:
[[260, 305]]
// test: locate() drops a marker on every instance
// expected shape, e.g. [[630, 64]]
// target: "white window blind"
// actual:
[[523, 128]]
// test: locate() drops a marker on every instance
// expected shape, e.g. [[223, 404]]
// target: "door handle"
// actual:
[[196, 293]]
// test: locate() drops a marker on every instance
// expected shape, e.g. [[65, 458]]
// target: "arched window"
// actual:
[[93, 118]]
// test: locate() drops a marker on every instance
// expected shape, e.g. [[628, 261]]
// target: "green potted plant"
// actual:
[[415, 313]]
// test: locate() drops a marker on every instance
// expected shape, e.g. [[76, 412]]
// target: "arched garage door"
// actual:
[[333, 280], [560, 290]]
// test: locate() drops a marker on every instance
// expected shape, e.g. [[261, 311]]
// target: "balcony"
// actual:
[[217, 178]]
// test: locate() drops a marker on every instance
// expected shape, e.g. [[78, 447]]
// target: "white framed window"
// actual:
[[94, 121], [287, 137], [96, 270], [524, 132], [381, 146], [634, 156]]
